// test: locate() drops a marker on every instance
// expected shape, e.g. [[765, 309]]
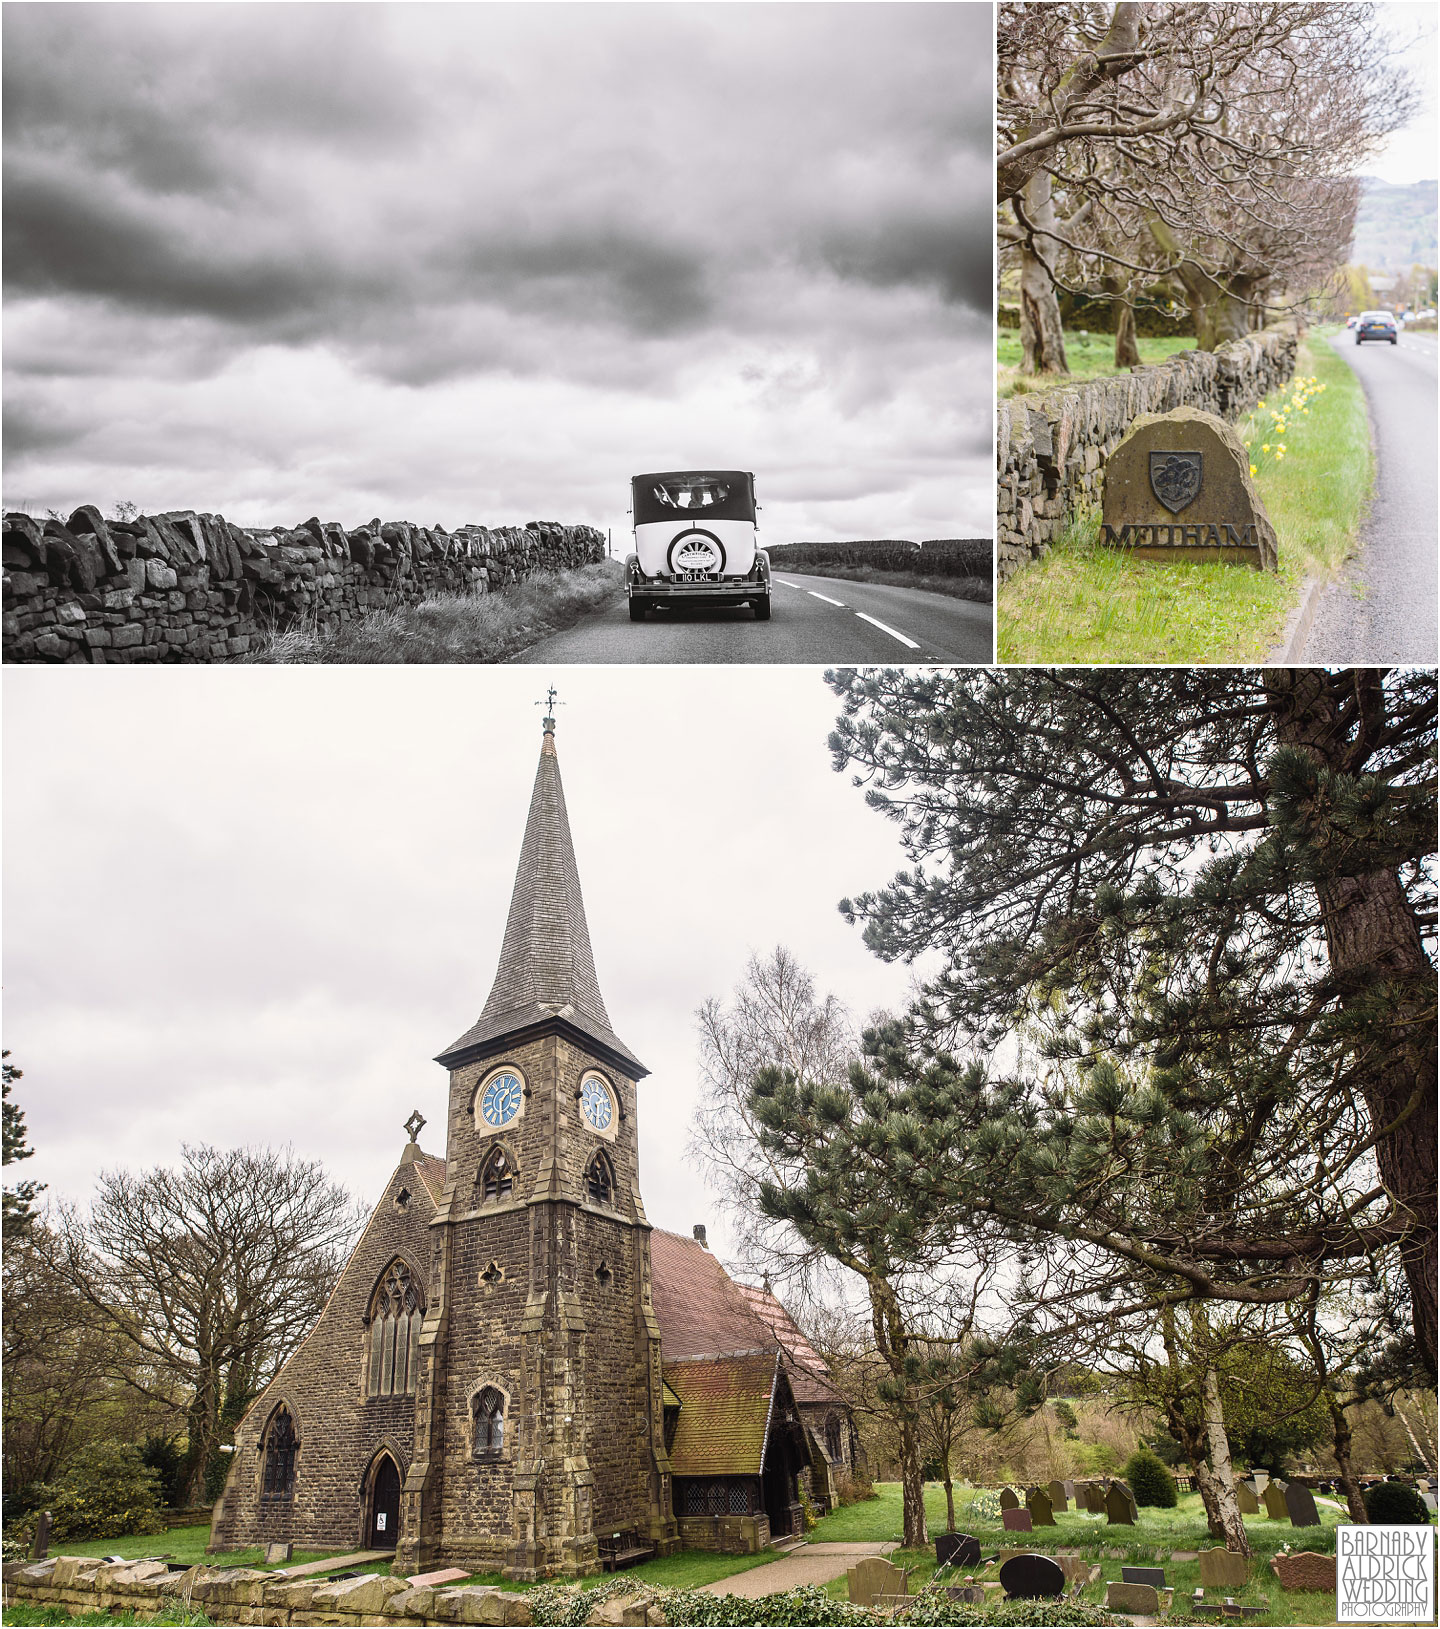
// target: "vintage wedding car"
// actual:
[[695, 542]]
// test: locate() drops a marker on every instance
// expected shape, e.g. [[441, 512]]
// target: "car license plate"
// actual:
[[696, 577]]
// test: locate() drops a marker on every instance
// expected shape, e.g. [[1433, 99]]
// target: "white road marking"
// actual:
[[826, 598], [784, 584], [885, 628]]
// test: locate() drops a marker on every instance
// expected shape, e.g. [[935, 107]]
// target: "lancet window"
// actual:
[[396, 1313]]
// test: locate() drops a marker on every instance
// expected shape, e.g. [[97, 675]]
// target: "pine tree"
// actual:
[[19, 1201]]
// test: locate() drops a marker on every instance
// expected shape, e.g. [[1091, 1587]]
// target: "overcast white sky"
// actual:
[[1413, 27], [475, 262], [253, 907]]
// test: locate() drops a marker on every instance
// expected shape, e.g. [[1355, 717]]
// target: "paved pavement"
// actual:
[[1383, 607], [812, 1564], [813, 619]]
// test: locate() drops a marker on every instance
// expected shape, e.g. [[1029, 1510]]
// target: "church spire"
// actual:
[[547, 970]]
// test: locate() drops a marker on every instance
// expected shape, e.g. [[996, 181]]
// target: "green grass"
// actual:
[[1085, 603], [185, 1544], [1147, 1544], [1090, 358], [977, 589], [457, 627]]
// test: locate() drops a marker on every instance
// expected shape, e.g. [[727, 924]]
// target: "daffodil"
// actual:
[[1266, 447], [1253, 470]]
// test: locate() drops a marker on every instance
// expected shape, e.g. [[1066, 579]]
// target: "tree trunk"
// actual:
[[1042, 340], [1342, 1439], [1127, 348], [1375, 947], [1226, 1522], [949, 1495], [912, 1487]]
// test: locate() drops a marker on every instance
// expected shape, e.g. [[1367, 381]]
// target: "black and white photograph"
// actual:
[[314, 311]]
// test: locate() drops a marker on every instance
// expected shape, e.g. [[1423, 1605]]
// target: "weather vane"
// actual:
[[549, 704]]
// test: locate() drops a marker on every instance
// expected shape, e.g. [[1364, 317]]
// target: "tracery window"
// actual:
[[278, 1456], [497, 1176], [487, 1414], [396, 1313], [600, 1181]]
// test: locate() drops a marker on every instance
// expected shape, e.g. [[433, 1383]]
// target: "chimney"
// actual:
[[699, 1232]]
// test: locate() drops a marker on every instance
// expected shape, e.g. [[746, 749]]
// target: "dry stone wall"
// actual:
[[187, 587], [1051, 447]]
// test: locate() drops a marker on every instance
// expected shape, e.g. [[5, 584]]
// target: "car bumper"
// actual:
[[731, 591]]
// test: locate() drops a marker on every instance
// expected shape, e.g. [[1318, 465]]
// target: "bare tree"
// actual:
[[211, 1274]]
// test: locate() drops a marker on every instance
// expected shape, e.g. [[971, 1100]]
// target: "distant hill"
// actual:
[[1395, 226]]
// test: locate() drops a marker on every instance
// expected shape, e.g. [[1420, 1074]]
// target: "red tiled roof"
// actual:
[[724, 1411], [700, 1309], [809, 1372]]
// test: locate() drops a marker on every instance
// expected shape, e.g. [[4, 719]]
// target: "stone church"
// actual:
[[515, 1371]]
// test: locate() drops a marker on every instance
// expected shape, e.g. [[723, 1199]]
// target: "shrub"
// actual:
[[1394, 1504], [1065, 1415], [855, 1487], [808, 1604], [112, 1493], [1150, 1482]]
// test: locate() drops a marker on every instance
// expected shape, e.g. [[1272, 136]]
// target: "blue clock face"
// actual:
[[595, 1100], [500, 1102]]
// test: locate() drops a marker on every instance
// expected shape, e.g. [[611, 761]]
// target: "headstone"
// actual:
[[1132, 1598], [1059, 1499], [1077, 1569], [1245, 1494], [1094, 1499], [1305, 1571], [1259, 1478], [276, 1553], [974, 1593], [1070, 1491], [1017, 1521], [1276, 1510], [957, 1550], [1154, 1576], [1037, 1502], [1009, 1499], [1178, 488], [1120, 1505], [873, 1577], [1300, 1502], [1429, 1499], [432, 1580], [42, 1536], [1032, 1578], [1223, 1569]]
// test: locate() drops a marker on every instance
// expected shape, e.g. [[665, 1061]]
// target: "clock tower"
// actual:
[[539, 1418]]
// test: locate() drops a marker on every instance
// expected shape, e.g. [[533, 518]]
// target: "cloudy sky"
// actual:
[[253, 907], [1412, 28], [460, 262]]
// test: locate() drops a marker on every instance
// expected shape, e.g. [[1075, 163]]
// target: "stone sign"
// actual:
[[1300, 1502], [1037, 1502], [1017, 1521], [1058, 1499], [1032, 1578], [1275, 1507], [1132, 1598], [1178, 488], [1249, 1504], [1223, 1569]]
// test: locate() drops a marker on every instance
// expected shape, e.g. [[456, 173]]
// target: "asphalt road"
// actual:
[[813, 619], [1383, 606]]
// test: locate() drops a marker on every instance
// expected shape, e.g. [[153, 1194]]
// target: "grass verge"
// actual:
[[1092, 357], [978, 589], [1152, 1543], [458, 627], [1085, 603]]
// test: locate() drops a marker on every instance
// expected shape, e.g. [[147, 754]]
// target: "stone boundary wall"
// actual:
[[1051, 446], [187, 587], [250, 1595]]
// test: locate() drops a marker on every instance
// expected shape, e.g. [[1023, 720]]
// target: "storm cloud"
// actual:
[[737, 233]]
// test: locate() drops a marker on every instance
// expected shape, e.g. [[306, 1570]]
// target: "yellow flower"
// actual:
[[1253, 470], [1266, 447], [1280, 453], [1262, 404]]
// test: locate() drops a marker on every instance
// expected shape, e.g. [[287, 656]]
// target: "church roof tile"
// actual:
[[724, 1413]]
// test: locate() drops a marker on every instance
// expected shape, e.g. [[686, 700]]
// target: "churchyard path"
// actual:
[[811, 1564]]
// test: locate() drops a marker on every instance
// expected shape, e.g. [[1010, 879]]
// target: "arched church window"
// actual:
[[600, 1181], [833, 1440], [497, 1176], [278, 1456], [396, 1313], [487, 1415]]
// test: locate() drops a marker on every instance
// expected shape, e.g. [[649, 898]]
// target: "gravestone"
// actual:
[[1245, 1494], [1009, 1499], [1178, 488], [1305, 1571], [1070, 1491], [42, 1536], [1429, 1499], [1017, 1521], [873, 1577], [1094, 1499], [1154, 1576], [1132, 1598], [1032, 1578], [1058, 1496], [1259, 1478], [1120, 1505], [974, 1593], [1223, 1569], [276, 1553], [1077, 1569], [1300, 1502], [1037, 1502], [957, 1550], [1276, 1510]]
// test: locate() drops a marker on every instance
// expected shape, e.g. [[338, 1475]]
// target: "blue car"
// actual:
[[1376, 325]]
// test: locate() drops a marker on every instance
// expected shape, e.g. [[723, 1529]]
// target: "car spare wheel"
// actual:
[[694, 551]]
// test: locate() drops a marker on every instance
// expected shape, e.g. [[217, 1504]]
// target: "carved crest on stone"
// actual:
[[1175, 478]]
